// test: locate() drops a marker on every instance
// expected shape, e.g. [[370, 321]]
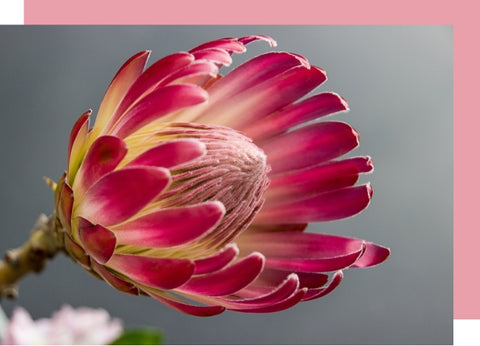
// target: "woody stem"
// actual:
[[32, 256]]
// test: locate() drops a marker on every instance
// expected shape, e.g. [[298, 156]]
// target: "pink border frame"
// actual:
[[459, 13]]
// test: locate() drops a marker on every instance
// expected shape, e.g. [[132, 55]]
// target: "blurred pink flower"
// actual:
[[80, 326], [196, 188]]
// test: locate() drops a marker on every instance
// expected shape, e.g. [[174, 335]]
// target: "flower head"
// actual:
[[68, 326], [195, 188]]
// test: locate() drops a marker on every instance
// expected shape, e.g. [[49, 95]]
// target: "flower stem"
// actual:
[[32, 256]]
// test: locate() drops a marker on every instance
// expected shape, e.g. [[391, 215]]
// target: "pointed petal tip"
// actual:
[[247, 39], [369, 188], [372, 256], [342, 100], [369, 164], [98, 241]]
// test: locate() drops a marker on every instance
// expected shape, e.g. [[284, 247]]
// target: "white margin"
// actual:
[[11, 12], [466, 332]]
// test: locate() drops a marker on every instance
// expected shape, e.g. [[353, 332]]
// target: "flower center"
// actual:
[[233, 171]]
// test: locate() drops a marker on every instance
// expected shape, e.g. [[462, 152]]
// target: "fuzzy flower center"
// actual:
[[233, 171]]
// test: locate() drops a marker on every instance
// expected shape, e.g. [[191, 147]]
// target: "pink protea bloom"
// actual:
[[195, 189]]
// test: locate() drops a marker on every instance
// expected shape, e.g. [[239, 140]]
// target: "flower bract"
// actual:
[[196, 188]]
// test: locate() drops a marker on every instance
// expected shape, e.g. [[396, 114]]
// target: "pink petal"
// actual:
[[98, 241], [255, 293], [171, 227], [254, 72], [217, 261], [192, 72], [158, 103], [173, 302], [277, 306], [216, 55], [327, 206], [76, 252], [149, 79], [240, 109], [115, 281], [228, 280], [65, 205], [103, 157], [160, 273], [374, 254], [304, 252], [122, 193], [77, 144], [320, 292], [273, 277], [310, 109], [309, 145], [315, 180], [247, 39], [170, 154], [301, 245], [229, 44], [123, 80]]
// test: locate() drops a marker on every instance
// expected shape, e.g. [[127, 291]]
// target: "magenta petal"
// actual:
[[160, 273], [315, 264], [170, 154], [115, 281], [227, 280], [299, 244], [158, 103], [119, 194], [77, 144], [102, 157], [310, 109], [247, 39], [260, 100], [123, 80], [311, 181], [217, 261], [170, 227], [374, 254], [151, 77], [254, 72], [272, 278], [201, 311], [192, 73], [216, 55], [98, 241], [268, 294], [229, 44], [304, 252], [327, 206], [76, 252], [81, 125], [65, 205], [309, 145], [274, 307], [320, 292]]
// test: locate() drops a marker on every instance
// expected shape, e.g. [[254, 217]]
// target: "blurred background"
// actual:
[[398, 81]]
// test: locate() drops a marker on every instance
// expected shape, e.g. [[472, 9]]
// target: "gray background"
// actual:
[[398, 81]]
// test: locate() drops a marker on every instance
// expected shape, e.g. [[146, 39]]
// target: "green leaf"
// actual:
[[143, 336]]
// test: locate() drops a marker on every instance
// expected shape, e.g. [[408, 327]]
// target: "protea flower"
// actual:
[[195, 189]]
